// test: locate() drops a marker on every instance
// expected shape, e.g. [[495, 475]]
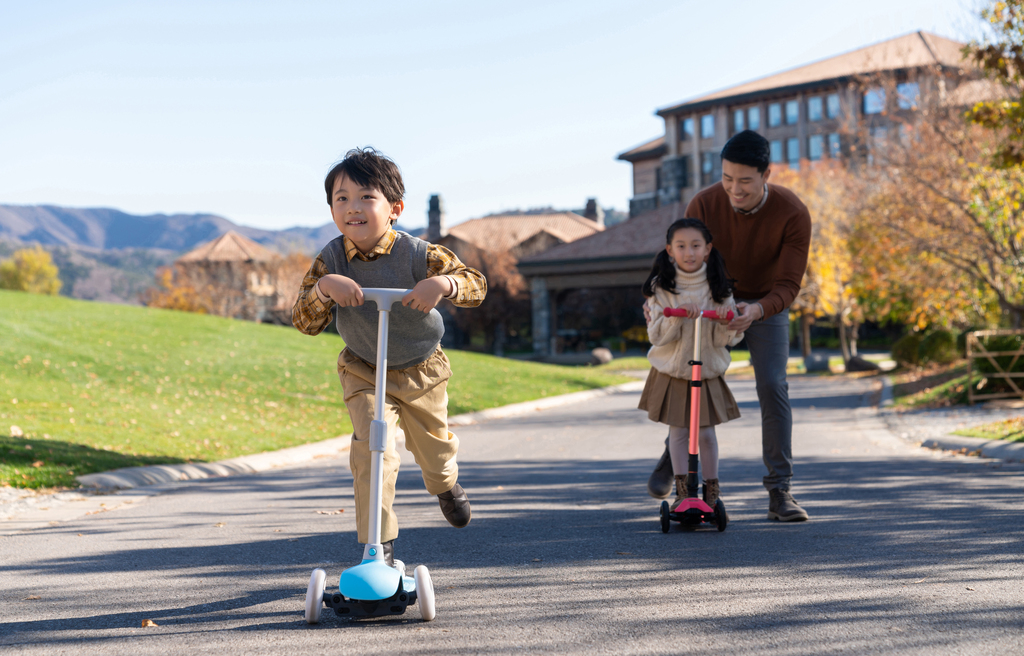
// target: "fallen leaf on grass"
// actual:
[[148, 623], [34, 597], [37, 464]]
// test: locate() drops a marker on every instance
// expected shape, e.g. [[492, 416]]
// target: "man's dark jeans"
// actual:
[[768, 342]]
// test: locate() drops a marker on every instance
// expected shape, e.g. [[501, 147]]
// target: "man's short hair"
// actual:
[[750, 149], [368, 168]]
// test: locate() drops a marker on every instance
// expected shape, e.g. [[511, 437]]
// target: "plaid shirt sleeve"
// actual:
[[311, 315], [470, 286]]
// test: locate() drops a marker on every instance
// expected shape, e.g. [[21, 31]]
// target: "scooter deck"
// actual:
[[394, 605]]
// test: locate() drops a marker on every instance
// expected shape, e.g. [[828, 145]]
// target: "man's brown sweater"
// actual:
[[766, 252]]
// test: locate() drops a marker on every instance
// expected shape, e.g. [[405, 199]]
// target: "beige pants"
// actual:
[[418, 396]]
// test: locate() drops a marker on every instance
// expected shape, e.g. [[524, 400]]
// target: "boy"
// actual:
[[364, 191]]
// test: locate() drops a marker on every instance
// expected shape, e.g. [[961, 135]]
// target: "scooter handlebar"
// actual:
[[384, 297], [707, 314]]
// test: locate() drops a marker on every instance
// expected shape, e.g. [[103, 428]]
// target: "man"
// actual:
[[763, 232]]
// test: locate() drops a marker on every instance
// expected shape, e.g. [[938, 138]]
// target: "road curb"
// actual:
[[132, 477], [973, 446]]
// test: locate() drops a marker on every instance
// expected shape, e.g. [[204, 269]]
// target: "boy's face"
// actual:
[[362, 214]]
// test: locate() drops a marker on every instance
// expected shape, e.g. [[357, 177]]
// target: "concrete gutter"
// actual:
[[133, 477]]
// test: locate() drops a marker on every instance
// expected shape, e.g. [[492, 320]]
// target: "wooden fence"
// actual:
[[977, 350]]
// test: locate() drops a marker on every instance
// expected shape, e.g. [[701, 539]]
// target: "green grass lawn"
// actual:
[[1011, 430], [638, 363], [94, 386]]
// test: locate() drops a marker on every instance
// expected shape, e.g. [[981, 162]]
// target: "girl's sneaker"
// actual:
[[711, 492]]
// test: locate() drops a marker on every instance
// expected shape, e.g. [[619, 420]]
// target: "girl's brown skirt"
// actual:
[[667, 401]]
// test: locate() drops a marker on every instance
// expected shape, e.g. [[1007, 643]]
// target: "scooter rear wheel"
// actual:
[[315, 595], [721, 517], [664, 517]]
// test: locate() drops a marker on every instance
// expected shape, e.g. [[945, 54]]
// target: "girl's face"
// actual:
[[688, 249]]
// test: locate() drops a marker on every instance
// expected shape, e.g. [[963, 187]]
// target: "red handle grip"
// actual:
[[707, 314]]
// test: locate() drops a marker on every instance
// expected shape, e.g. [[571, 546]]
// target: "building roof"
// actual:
[[503, 232], [641, 236], [648, 150], [914, 50], [229, 247]]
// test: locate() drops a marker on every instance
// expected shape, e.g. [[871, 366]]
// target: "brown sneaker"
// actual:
[[711, 492], [680, 490], [783, 507], [455, 506]]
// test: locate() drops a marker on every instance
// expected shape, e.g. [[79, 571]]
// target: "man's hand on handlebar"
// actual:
[[746, 314]]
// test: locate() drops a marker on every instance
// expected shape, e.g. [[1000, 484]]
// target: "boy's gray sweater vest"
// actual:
[[412, 335]]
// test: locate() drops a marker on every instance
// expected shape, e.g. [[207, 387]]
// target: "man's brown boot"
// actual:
[[783, 507]]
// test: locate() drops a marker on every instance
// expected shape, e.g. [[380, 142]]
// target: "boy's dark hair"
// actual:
[[750, 149], [663, 273], [368, 168]]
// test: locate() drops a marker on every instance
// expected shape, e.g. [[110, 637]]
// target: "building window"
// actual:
[[908, 95], [832, 105], [776, 149], [754, 118], [685, 169], [835, 148], [737, 121], [814, 109], [707, 168], [815, 147], [793, 152], [774, 115], [707, 126], [686, 129], [874, 101], [792, 112]]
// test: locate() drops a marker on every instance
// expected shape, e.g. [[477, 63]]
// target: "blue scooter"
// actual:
[[372, 588]]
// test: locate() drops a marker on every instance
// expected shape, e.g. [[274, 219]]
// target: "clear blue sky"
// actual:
[[240, 108]]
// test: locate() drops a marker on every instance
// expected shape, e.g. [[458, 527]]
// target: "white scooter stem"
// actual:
[[384, 298]]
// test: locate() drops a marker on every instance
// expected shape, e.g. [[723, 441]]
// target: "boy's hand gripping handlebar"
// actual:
[[707, 314]]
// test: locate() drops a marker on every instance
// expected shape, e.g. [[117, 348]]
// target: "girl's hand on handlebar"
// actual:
[[343, 291], [427, 294], [692, 310]]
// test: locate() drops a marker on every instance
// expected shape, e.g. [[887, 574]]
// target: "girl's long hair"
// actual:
[[663, 273]]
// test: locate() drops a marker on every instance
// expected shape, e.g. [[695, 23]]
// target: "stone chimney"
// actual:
[[594, 212], [435, 219]]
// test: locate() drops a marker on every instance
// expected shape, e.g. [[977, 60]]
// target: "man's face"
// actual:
[[744, 184], [362, 214]]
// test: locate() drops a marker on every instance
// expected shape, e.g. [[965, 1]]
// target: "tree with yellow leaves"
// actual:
[[832, 197], [30, 270]]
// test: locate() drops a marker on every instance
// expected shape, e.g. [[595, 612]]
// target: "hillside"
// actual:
[[93, 387], [107, 229]]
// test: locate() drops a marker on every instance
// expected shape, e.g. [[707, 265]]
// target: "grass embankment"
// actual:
[[93, 387], [640, 363]]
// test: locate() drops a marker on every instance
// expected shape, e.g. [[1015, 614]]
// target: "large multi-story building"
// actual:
[[807, 113]]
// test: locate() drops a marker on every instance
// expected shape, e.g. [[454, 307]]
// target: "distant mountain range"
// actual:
[[108, 229]]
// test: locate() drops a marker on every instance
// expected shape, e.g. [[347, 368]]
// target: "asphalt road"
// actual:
[[907, 551]]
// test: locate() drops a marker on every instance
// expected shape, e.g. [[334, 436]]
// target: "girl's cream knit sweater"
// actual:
[[672, 337]]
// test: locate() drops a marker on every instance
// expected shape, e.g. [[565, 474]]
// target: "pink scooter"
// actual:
[[692, 511]]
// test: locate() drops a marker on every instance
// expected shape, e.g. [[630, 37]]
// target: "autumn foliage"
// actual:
[[30, 270]]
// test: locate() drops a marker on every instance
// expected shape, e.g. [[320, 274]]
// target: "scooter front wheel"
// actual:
[[664, 517], [424, 593], [315, 595]]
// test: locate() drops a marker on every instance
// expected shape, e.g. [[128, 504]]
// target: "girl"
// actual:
[[689, 274]]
